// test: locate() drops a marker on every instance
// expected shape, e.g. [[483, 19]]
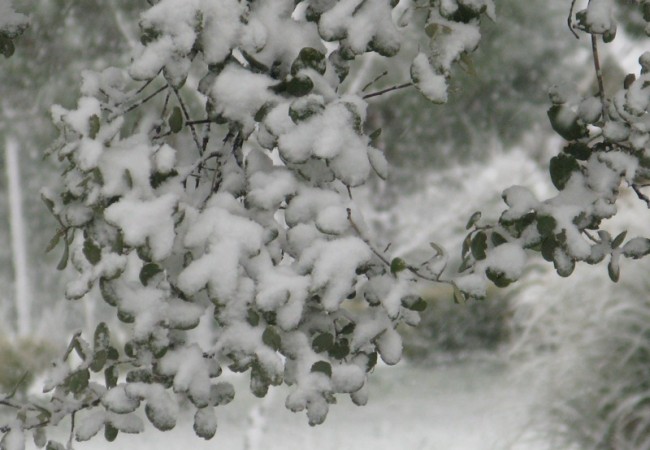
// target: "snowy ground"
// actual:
[[472, 405]]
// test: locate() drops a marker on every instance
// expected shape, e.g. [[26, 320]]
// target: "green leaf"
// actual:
[[497, 239], [397, 265], [271, 338], [579, 150], [419, 305], [7, 47], [473, 219], [349, 328], [93, 126], [479, 246], [548, 248], [609, 35], [148, 271], [565, 123], [112, 353], [53, 242], [614, 270], [99, 360], [263, 111], [157, 178], [322, 367], [102, 336], [465, 264], [92, 252], [110, 432], [176, 120], [111, 376], [54, 445], [309, 58], [108, 292], [618, 240], [77, 381], [255, 65], [253, 318], [497, 277], [637, 247], [466, 244], [340, 349], [297, 86], [323, 342], [49, 203], [546, 225], [372, 361], [63, 262], [459, 297], [375, 135], [561, 168]]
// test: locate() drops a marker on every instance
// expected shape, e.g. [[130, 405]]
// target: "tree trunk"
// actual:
[[22, 296]]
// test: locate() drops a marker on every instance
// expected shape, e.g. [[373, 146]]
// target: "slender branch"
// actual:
[[599, 73], [186, 113], [364, 239], [377, 78], [570, 19], [138, 104], [70, 438], [640, 194], [392, 88], [198, 122], [383, 259], [198, 164], [164, 109], [591, 237]]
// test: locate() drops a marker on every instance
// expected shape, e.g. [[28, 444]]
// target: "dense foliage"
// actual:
[[210, 185]]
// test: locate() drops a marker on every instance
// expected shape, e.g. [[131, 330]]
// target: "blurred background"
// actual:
[[548, 363]]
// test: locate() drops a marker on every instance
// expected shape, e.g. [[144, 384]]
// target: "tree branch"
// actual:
[[187, 118], [392, 88], [640, 194], [599, 73], [570, 19]]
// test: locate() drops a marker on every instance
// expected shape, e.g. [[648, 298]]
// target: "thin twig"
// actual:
[[165, 104], [198, 122], [138, 104], [198, 164], [144, 86], [392, 88], [187, 118], [70, 438], [591, 237], [640, 194], [599, 73], [383, 259], [570, 20], [364, 239], [377, 78]]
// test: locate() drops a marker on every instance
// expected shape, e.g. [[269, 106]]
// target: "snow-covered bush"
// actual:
[[210, 186]]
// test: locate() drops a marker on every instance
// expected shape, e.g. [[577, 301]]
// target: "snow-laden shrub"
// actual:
[[585, 348], [211, 187]]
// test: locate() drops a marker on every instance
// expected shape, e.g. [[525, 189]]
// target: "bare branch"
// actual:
[[641, 195], [599, 73], [392, 88], [570, 19]]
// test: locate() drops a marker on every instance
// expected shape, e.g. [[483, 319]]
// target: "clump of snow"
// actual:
[[146, 222], [432, 85]]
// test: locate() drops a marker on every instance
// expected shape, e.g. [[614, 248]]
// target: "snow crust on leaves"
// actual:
[[220, 192]]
